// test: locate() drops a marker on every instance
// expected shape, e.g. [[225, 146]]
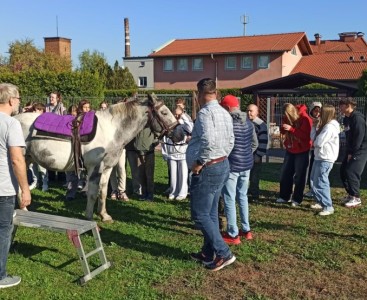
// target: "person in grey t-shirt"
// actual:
[[12, 173]]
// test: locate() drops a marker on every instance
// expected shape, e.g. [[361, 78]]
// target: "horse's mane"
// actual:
[[127, 109]]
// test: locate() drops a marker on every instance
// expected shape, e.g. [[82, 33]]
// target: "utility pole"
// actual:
[[244, 20]]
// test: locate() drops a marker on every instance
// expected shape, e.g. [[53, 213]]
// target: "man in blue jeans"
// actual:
[[241, 161], [12, 172], [212, 141]]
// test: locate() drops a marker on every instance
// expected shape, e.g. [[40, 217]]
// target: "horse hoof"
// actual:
[[107, 219]]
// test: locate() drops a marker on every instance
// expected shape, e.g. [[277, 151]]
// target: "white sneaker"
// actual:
[[316, 206], [309, 194], [295, 204], [346, 199], [326, 212], [171, 197], [353, 202], [180, 198], [281, 200], [9, 281]]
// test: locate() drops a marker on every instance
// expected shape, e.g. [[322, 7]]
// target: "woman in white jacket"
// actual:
[[175, 154], [326, 147]]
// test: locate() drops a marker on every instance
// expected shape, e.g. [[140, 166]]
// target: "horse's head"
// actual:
[[162, 121]]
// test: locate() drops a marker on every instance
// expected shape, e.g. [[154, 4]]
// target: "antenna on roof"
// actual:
[[57, 26], [245, 20]]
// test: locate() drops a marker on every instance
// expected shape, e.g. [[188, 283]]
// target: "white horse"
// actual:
[[116, 126]]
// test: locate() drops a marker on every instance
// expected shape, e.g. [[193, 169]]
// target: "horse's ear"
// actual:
[[153, 98]]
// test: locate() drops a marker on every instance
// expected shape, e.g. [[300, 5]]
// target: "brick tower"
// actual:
[[58, 45]]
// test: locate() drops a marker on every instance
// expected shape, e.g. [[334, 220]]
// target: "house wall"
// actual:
[[215, 68], [290, 61], [141, 67]]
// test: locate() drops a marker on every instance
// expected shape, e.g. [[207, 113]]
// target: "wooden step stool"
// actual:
[[73, 228]]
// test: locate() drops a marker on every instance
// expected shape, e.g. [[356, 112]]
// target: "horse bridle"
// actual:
[[153, 115]]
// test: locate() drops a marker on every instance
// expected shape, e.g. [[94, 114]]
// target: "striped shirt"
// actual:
[[262, 135], [212, 136]]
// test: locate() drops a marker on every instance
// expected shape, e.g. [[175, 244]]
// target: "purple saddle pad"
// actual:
[[63, 125]]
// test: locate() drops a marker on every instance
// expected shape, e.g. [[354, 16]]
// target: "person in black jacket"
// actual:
[[356, 151]]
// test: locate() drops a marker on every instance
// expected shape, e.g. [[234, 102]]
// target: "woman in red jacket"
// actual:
[[296, 127]]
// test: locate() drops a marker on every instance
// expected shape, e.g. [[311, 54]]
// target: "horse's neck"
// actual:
[[126, 129]]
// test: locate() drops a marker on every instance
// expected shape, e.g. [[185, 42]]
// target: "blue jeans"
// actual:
[[236, 188], [320, 183], [205, 190], [6, 228]]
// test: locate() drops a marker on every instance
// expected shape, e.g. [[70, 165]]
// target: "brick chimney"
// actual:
[[127, 37], [317, 39], [348, 36]]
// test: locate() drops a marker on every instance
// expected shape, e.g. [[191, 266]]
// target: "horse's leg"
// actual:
[[103, 187]]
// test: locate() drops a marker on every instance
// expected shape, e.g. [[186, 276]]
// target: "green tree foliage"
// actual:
[[120, 78], [25, 56], [362, 84], [94, 63], [70, 84]]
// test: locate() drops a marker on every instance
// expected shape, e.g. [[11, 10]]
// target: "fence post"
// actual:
[[268, 102]]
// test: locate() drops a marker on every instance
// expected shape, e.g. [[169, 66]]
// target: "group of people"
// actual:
[[221, 155], [225, 155], [318, 133]]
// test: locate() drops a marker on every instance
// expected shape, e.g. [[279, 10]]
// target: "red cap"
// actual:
[[230, 101]]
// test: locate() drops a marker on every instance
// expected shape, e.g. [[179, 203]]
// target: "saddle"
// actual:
[[80, 129], [61, 127]]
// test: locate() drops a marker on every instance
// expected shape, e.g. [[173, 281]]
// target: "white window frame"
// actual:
[[261, 64], [168, 65], [294, 51], [182, 64], [197, 64], [243, 64], [231, 63], [143, 81]]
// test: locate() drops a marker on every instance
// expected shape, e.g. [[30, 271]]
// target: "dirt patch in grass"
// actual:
[[287, 277]]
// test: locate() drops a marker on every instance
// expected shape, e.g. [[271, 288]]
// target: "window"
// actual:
[[247, 62], [142, 82], [197, 64], [230, 63], [168, 65], [263, 62], [294, 51], [182, 64]]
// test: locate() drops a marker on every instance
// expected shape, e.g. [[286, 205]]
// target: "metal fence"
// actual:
[[271, 110], [169, 100]]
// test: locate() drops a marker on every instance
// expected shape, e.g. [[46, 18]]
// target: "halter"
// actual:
[[153, 115]]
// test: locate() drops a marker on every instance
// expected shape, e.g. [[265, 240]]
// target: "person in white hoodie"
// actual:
[[175, 154], [326, 150]]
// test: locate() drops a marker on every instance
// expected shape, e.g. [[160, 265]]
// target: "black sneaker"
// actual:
[[221, 262], [200, 257]]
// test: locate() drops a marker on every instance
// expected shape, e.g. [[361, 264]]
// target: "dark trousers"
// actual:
[[294, 171], [351, 172], [254, 189]]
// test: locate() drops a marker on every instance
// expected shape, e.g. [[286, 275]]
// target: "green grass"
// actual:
[[295, 254]]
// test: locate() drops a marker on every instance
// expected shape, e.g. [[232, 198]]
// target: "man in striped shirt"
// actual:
[[262, 135]]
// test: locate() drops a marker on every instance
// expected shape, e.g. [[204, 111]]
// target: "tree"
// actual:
[[362, 84], [25, 56], [120, 78], [94, 63]]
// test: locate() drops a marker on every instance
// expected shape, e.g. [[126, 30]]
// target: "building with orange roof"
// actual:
[[244, 61]]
